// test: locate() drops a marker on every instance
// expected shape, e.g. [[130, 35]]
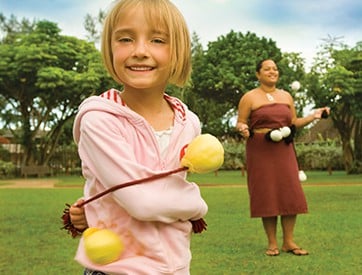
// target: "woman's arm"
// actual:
[[244, 109], [300, 122]]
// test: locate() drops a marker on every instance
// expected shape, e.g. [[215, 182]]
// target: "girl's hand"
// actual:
[[77, 216], [199, 225]]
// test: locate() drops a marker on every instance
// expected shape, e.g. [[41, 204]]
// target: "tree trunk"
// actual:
[[27, 138], [345, 130], [358, 147], [348, 157]]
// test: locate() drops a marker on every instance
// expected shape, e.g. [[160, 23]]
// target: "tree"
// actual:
[[226, 70], [43, 78], [92, 24], [10, 28], [336, 81]]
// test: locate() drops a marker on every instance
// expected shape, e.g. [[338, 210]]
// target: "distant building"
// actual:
[[323, 130]]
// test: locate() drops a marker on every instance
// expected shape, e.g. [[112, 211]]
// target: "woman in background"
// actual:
[[272, 168]]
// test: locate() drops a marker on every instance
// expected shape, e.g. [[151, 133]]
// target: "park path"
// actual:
[[50, 183], [29, 183]]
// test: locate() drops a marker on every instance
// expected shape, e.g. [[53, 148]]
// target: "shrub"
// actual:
[[320, 156], [311, 156], [7, 169], [4, 154], [234, 157]]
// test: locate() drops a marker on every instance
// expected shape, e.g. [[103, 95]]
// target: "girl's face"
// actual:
[[141, 53], [268, 73]]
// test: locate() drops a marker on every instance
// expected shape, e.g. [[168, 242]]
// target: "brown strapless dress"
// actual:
[[272, 168]]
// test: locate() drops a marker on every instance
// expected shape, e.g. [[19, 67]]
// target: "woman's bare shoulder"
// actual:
[[249, 94], [286, 96], [284, 92]]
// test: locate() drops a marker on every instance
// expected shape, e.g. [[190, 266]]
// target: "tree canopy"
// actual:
[[43, 78], [336, 81], [45, 75], [226, 70]]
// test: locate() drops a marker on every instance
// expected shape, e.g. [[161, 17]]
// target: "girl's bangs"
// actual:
[[157, 19]]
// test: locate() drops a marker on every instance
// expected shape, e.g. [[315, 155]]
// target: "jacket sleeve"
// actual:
[[108, 159]]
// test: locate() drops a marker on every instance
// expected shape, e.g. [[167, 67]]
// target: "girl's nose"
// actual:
[[140, 49]]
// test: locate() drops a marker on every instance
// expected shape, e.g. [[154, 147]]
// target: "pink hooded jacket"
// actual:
[[117, 145]]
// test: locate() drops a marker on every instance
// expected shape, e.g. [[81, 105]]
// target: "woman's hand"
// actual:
[[318, 113], [243, 129]]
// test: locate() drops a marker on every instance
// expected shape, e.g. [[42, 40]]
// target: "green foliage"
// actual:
[[43, 78], [320, 156], [4, 154], [226, 70], [7, 169], [312, 156], [45, 75], [335, 81], [234, 158], [93, 24]]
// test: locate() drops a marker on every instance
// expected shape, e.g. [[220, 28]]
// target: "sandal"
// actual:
[[297, 251], [272, 252]]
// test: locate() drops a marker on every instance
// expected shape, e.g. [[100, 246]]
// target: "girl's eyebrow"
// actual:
[[159, 31], [162, 33], [130, 31], [121, 31]]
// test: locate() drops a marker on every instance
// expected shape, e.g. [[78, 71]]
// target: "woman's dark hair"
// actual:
[[260, 64]]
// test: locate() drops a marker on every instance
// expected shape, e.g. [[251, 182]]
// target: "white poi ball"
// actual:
[[276, 135], [302, 176], [285, 131], [295, 85]]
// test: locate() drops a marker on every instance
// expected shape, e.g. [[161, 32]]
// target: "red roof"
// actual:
[[4, 140]]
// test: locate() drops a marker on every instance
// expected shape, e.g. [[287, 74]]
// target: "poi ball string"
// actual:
[[66, 215], [133, 182]]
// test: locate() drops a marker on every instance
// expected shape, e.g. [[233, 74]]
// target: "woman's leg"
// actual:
[[270, 227], [288, 223]]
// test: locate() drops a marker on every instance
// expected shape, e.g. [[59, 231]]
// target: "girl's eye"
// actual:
[[158, 41], [125, 39]]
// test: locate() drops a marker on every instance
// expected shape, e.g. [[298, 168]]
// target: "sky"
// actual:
[[296, 26]]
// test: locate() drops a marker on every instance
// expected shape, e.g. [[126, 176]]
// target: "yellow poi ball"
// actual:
[[102, 246], [204, 154]]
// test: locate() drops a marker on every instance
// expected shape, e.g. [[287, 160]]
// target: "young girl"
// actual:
[[138, 132]]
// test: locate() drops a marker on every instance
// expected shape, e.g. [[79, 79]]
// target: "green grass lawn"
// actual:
[[225, 178], [228, 178], [32, 243], [313, 177]]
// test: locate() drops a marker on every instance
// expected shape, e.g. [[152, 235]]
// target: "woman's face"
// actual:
[[141, 53], [268, 73]]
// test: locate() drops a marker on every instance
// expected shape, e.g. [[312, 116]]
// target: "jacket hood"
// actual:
[[103, 104]]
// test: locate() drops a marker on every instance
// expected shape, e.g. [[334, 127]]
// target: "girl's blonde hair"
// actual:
[[158, 13]]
